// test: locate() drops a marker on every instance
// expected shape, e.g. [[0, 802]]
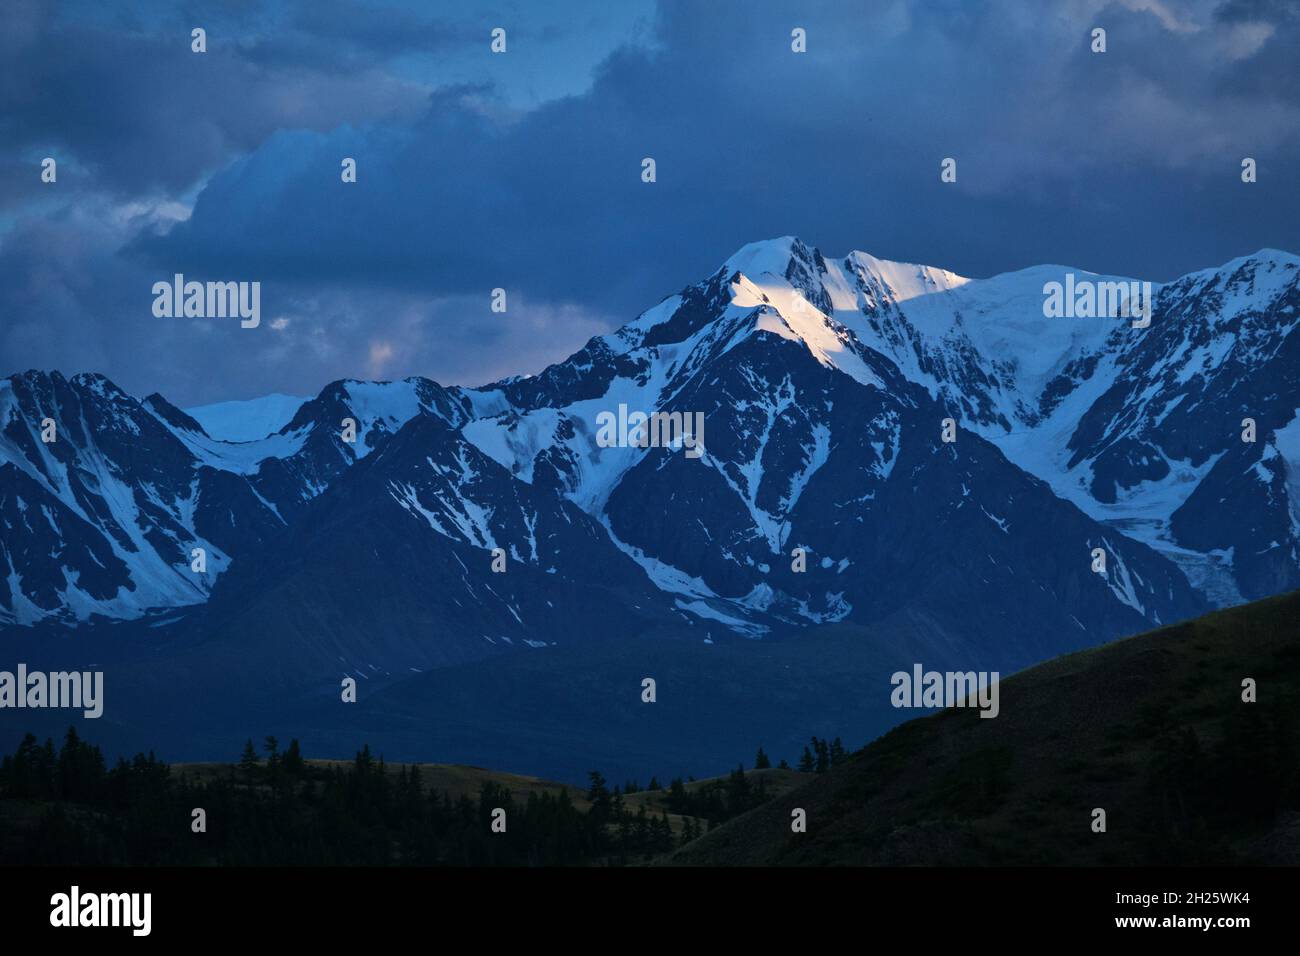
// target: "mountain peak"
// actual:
[[1269, 254], [771, 256], [905, 280], [36, 377], [805, 268]]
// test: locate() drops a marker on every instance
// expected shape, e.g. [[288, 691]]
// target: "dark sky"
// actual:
[[522, 170]]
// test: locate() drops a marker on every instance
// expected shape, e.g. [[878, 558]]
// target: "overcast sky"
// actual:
[[522, 170]]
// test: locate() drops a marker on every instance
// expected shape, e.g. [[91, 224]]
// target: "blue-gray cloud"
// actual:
[[1125, 162]]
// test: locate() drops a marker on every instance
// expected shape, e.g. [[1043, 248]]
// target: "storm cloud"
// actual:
[[1126, 162]]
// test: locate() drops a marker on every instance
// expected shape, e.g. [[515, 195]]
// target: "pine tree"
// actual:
[[642, 832], [272, 747], [677, 795], [838, 754], [598, 794], [364, 762], [761, 761], [806, 764], [47, 766], [248, 762], [80, 769], [292, 762], [823, 755], [663, 833], [737, 792]]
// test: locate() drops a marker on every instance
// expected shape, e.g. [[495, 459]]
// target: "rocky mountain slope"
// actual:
[[824, 490]]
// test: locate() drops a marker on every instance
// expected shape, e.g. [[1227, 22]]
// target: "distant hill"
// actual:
[[1152, 729]]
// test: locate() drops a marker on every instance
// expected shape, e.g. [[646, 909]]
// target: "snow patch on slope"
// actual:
[[250, 420]]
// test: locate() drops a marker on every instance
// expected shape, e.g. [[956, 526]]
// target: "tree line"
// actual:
[[272, 807]]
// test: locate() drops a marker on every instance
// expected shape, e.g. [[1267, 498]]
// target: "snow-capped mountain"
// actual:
[[103, 518], [427, 553], [818, 441], [825, 491], [1140, 427], [106, 517]]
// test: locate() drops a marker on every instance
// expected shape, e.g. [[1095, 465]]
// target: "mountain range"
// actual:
[[927, 462]]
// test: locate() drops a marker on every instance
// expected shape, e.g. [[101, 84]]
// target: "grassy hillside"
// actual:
[[1152, 729]]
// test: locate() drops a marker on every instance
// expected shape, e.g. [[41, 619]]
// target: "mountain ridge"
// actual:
[[765, 347]]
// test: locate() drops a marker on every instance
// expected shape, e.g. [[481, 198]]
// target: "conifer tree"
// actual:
[[806, 764], [292, 762], [598, 794], [248, 762]]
